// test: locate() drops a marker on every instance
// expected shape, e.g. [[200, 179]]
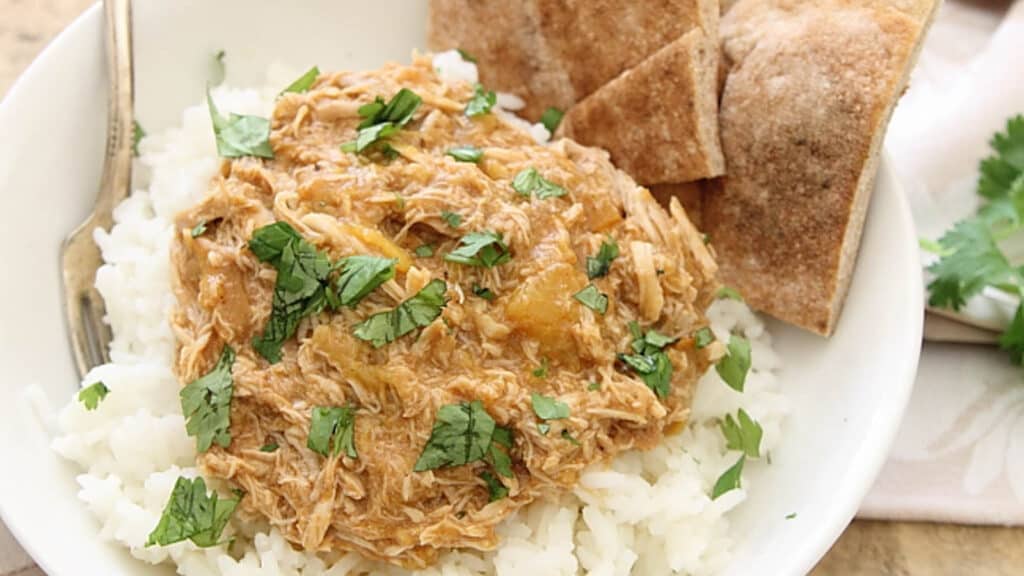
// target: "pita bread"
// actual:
[[810, 89], [659, 120]]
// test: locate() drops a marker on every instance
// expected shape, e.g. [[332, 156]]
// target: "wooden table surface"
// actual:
[[866, 548]]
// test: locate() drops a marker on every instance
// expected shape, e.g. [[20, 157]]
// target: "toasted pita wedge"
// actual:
[[659, 119], [556, 52], [810, 89]]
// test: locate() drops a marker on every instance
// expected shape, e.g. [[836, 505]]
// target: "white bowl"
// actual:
[[848, 393]]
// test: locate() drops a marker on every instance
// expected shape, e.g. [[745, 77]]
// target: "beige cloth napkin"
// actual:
[[959, 456]]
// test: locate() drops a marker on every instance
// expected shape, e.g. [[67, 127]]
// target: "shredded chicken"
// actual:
[[482, 350]]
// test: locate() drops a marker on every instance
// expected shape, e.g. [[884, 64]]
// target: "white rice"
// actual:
[[648, 513]]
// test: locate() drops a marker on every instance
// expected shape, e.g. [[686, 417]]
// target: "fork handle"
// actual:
[[117, 164]]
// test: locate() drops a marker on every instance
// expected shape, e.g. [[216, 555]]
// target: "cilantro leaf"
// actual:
[[332, 430], [703, 337], [973, 262], [416, 312], [598, 266], [424, 251], [382, 120], [501, 444], [466, 153], [742, 433], [192, 514], [547, 408], [568, 437], [137, 135], [361, 275], [466, 55], [269, 447], [529, 181], [734, 366], [483, 292], [592, 298], [462, 434], [650, 361], [496, 489], [1012, 340], [726, 292], [481, 102], [551, 118], [206, 404], [729, 480], [92, 395], [544, 428], [303, 83], [218, 70], [594, 386], [239, 136], [452, 219], [301, 287], [199, 229], [485, 249]]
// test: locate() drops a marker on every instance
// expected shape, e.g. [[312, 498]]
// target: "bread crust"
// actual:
[[810, 89]]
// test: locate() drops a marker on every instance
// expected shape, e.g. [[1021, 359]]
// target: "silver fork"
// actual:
[[80, 257]]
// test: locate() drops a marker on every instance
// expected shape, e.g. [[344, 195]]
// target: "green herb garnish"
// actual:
[[218, 70], [501, 444], [466, 153], [303, 83], [332, 431], [726, 292], [192, 514], [239, 136], [359, 276], [592, 298], [742, 433], [485, 249], [199, 229], [300, 290], [598, 266], [649, 359], [416, 312], [568, 437], [495, 488], [529, 181], [481, 102], [452, 219], [543, 428], [424, 251], [703, 337], [734, 366], [462, 434], [542, 370], [466, 55], [551, 118], [594, 386], [382, 120], [269, 447], [206, 404], [791, 515], [548, 408], [92, 395], [729, 480], [137, 135], [483, 292]]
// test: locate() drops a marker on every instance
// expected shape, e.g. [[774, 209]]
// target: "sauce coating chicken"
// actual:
[[506, 333]]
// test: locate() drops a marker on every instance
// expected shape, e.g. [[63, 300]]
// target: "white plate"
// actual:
[[848, 393]]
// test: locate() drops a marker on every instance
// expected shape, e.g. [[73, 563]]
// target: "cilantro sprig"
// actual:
[[192, 514], [529, 181], [206, 404], [971, 258], [382, 120], [237, 135]]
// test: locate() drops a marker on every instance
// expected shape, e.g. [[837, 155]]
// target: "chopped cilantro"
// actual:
[[594, 386], [137, 135], [742, 433], [199, 229], [423, 308], [206, 404], [303, 83], [703, 337], [729, 480], [359, 276], [300, 290], [462, 434], [481, 102], [485, 249], [734, 366], [598, 266], [239, 136], [542, 370], [496, 489], [650, 360], [1012, 340], [543, 428], [547, 408], [466, 55], [382, 120], [192, 514], [92, 395], [592, 298], [466, 153], [332, 431], [424, 251], [551, 118], [483, 292], [567, 436], [725, 292], [452, 219], [218, 69], [791, 515], [529, 181], [269, 447], [501, 444]]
